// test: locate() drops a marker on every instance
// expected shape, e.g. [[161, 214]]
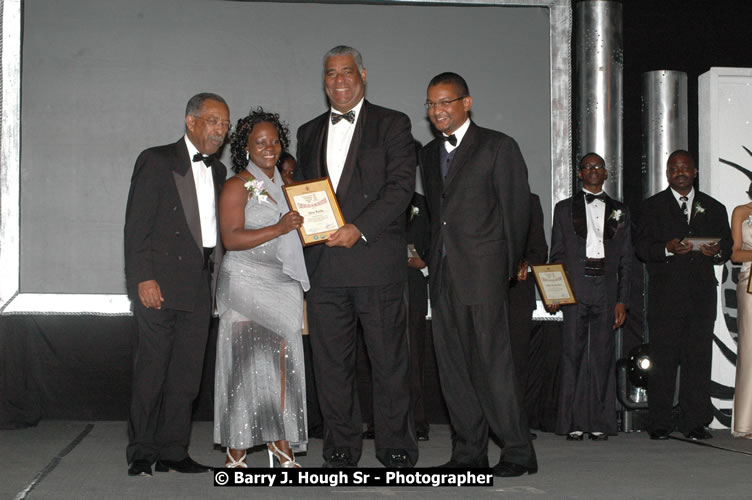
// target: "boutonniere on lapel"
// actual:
[[699, 209], [256, 188], [616, 215], [414, 212]]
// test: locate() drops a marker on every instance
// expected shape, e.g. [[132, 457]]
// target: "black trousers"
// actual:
[[684, 340], [478, 377], [167, 370], [333, 314], [587, 390], [417, 308], [521, 308]]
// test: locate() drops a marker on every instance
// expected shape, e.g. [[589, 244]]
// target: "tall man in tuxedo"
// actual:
[[359, 274], [681, 296], [591, 236], [172, 250], [475, 182]]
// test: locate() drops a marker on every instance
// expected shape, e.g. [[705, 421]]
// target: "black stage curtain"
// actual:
[[79, 368]]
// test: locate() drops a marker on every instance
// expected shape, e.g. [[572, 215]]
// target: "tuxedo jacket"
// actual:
[[374, 190], [162, 226], [479, 213], [536, 252], [569, 242], [681, 283]]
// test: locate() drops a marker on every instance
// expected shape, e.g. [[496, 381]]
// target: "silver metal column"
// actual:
[[599, 86], [664, 125]]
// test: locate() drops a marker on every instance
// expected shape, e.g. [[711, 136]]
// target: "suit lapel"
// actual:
[[463, 152], [183, 175], [579, 221], [610, 224], [352, 153]]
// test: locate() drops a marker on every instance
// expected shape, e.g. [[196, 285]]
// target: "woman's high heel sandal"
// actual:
[[284, 460], [235, 464]]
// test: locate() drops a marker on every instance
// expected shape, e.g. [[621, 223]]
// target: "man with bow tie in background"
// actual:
[[591, 236], [681, 296], [359, 275], [172, 253]]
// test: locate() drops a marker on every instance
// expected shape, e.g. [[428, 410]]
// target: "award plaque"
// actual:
[[553, 284], [696, 242], [315, 201]]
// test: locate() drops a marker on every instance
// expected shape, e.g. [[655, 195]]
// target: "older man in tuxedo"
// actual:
[[681, 296], [359, 274], [591, 236], [475, 182], [172, 250]]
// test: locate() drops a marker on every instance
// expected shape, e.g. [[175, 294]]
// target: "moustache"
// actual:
[[217, 138]]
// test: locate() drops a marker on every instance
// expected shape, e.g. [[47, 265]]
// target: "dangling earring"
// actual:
[[247, 155]]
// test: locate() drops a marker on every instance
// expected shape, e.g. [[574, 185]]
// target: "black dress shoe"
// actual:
[[509, 469], [598, 437], [422, 435], [398, 460], [369, 434], [572, 436], [453, 464], [533, 436], [340, 459], [186, 466], [140, 468], [659, 434], [698, 433]]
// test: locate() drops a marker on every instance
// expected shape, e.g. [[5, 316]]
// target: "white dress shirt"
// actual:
[[459, 134], [338, 141], [595, 212], [690, 199], [202, 178]]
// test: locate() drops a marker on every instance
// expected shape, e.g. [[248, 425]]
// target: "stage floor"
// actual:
[[86, 460]]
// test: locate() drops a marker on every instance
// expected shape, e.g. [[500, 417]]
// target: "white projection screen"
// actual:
[[88, 84]]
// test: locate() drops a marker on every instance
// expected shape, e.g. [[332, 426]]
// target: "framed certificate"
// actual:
[[553, 284], [315, 201], [696, 242]]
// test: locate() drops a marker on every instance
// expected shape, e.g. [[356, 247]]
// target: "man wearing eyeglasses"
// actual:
[[359, 275], [475, 182], [591, 236], [172, 250]]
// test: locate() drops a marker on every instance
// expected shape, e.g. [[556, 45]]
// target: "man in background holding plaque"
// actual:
[[475, 182], [359, 275], [681, 296], [591, 236]]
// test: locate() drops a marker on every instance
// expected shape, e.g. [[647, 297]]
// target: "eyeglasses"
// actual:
[[213, 122], [592, 167], [441, 104]]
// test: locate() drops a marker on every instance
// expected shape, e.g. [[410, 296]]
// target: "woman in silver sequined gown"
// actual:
[[259, 378], [741, 230]]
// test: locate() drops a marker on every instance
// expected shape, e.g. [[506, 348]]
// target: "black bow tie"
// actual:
[[451, 139], [207, 159], [589, 197], [349, 116]]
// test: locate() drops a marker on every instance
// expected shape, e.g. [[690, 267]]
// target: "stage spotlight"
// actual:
[[640, 366]]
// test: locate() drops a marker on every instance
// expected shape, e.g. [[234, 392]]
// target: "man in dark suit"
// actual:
[[522, 301], [172, 249], [359, 274], [478, 198], [591, 236], [681, 296]]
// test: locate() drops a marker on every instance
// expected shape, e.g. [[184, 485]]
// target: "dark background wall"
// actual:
[[690, 36]]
